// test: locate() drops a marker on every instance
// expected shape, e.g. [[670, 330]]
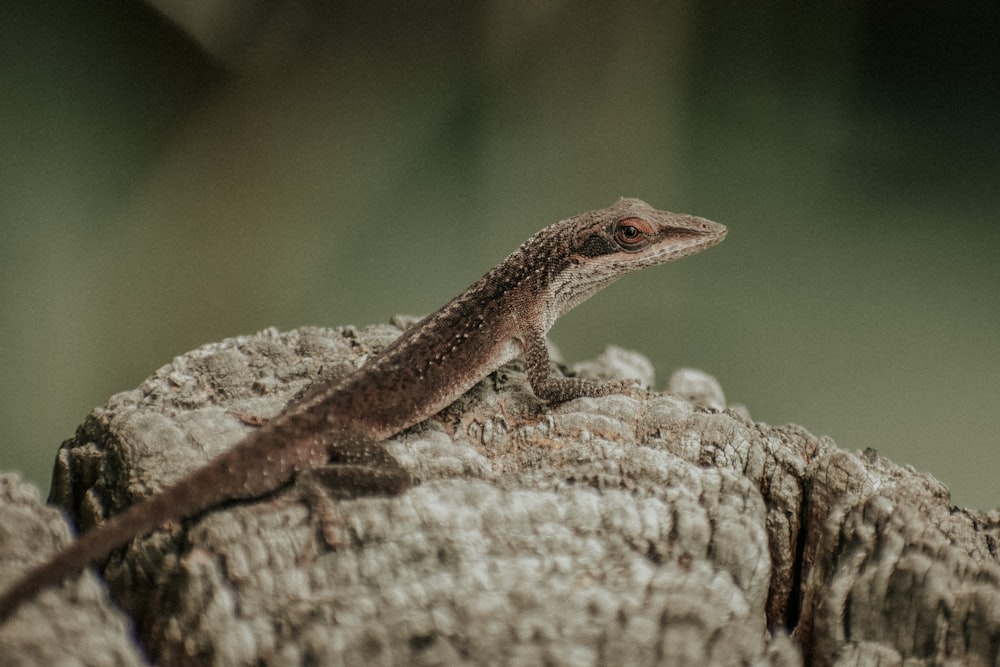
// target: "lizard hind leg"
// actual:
[[360, 467], [357, 467]]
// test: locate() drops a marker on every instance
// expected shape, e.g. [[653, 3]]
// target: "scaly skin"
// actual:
[[337, 428]]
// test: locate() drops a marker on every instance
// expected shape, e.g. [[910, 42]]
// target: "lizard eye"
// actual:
[[631, 232]]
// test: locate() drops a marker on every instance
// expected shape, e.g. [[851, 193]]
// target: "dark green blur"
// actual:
[[343, 163]]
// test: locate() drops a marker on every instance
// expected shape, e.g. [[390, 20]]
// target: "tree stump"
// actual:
[[626, 530]]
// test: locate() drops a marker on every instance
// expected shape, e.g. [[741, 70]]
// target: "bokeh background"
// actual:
[[174, 173]]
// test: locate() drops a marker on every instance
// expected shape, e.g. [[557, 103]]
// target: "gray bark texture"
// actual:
[[627, 530]]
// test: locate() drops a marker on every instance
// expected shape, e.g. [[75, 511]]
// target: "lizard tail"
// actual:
[[228, 476], [91, 546]]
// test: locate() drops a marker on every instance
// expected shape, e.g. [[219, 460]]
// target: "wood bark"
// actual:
[[627, 530]]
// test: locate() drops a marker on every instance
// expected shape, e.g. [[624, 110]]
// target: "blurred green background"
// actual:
[[177, 175]]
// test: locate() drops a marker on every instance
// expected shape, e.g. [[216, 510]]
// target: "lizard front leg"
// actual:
[[553, 389]]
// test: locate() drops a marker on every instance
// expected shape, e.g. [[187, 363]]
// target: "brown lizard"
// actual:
[[334, 431]]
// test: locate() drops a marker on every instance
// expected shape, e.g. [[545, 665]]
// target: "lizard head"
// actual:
[[601, 246], [631, 234]]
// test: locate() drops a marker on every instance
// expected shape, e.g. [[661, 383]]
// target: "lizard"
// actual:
[[333, 432]]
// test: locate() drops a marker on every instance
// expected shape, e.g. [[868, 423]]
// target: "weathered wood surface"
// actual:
[[628, 530]]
